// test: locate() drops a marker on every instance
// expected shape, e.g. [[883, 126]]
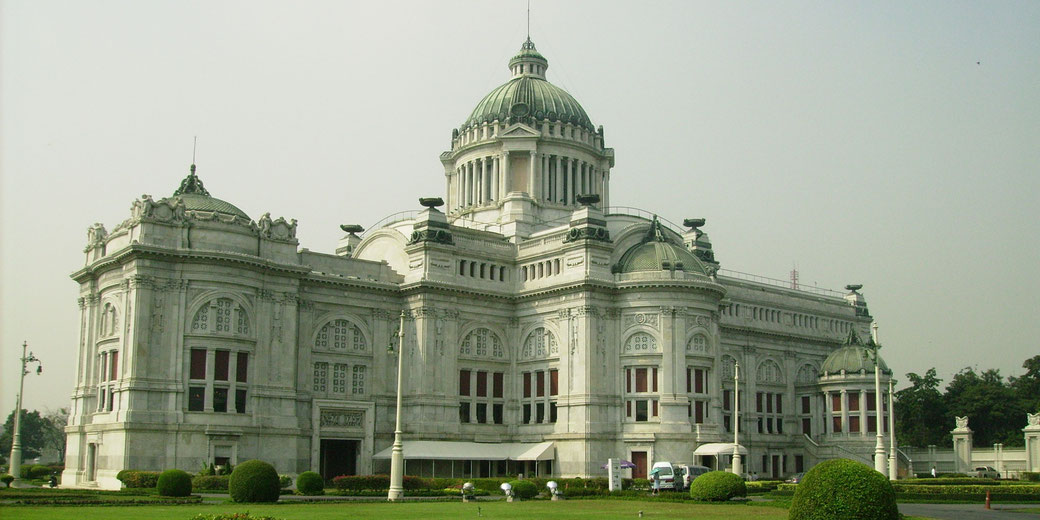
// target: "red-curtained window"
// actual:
[[527, 384], [482, 384], [198, 363], [640, 380], [113, 366], [540, 380], [554, 382], [464, 382], [221, 364]]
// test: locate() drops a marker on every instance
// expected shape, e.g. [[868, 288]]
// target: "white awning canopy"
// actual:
[[715, 449], [461, 450]]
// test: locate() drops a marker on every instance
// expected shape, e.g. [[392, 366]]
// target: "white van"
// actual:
[[666, 475], [691, 472]]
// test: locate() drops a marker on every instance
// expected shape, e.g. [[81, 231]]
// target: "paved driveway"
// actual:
[[966, 511]]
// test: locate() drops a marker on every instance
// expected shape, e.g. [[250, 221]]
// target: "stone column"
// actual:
[[606, 188], [532, 178], [488, 193], [571, 167], [962, 436], [507, 180], [844, 412], [558, 197], [1032, 434], [496, 164]]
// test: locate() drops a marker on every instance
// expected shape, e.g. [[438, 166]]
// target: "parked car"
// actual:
[[796, 478], [985, 472], [691, 472]]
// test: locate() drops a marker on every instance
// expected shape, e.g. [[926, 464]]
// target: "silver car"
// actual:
[[985, 472]]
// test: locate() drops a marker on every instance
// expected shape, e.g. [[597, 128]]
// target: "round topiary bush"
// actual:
[[174, 483], [310, 483], [843, 488], [254, 481], [524, 489], [7, 479], [717, 486]]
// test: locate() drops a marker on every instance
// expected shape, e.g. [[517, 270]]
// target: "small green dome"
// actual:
[[852, 359], [197, 198], [528, 97], [196, 202], [656, 253]]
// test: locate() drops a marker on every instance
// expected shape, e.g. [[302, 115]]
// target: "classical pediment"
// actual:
[[519, 130]]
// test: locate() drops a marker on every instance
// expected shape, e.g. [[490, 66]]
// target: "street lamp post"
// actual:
[[397, 453], [879, 417], [737, 466], [893, 465], [15, 468]]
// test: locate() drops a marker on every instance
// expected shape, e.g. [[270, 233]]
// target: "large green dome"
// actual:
[[528, 97]]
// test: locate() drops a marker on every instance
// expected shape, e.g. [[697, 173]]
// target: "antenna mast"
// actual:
[[528, 19], [194, 145]]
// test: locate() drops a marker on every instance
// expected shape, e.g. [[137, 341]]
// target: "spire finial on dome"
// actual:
[[192, 183], [853, 338]]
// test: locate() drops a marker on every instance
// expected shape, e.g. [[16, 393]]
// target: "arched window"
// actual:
[[698, 344], [340, 335], [640, 342], [482, 343], [540, 343], [221, 316], [769, 373], [807, 375]]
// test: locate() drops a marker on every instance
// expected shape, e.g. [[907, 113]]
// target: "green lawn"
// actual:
[[591, 509]]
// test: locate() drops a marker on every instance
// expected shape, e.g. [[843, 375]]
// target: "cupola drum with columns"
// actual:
[[525, 154]]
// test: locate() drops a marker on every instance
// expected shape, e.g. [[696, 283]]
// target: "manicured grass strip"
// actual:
[[575, 509]]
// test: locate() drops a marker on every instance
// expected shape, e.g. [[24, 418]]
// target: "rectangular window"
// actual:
[[807, 426], [640, 380], [482, 384], [339, 378], [689, 381], [113, 366], [496, 413], [103, 364], [242, 367], [101, 399], [221, 365], [628, 380], [805, 404], [321, 376], [497, 385], [358, 386], [779, 425], [642, 410], [527, 385], [198, 363], [698, 380], [769, 403], [539, 379], [464, 383], [836, 403], [871, 401], [463, 413], [527, 413], [240, 401], [761, 428], [727, 422], [196, 398], [698, 412], [220, 396], [799, 463], [758, 402], [111, 400], [552, 411], [554, 382], [654, 407], [628, 408], [837, 425], [654, 378], [853, 401], [539, 412], [482, 413], [726, 399], [871, 424], [854, 424]]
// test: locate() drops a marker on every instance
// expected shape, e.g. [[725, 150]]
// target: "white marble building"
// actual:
[[545, 330]]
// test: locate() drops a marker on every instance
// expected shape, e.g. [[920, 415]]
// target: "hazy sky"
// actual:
[[893, 144]]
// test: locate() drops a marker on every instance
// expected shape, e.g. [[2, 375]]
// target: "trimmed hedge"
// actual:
[[173, 483], [254, 481], [210, 483], [524, 489], [1031, 476], [1024, 492], [138, 479], [843, 488], [7, 478], [310, 483], [762, 486], [379, 482], [717, 486], [949, 481]]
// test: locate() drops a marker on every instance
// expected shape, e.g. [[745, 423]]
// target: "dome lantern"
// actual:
[[528, 62]]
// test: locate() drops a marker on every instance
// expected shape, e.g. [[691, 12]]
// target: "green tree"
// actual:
[[991, 406], [921, 412], [1027, 387], [34, 434]]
